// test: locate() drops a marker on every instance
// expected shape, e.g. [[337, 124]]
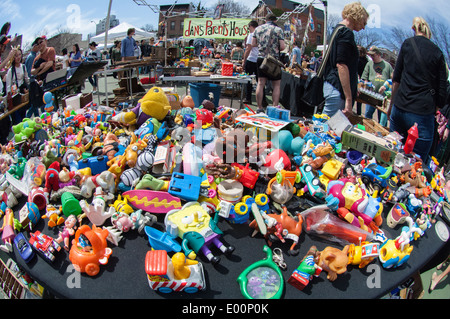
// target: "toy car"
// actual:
[[97, 164], [312, 182], [44, 245], [376, 174], [24, 247], [89, 249], [161, 269]]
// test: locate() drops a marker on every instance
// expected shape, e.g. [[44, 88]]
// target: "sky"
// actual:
[[31, 18]]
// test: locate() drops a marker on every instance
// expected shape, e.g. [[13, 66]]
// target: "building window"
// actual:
[[182, 25], [172, 25], [318, 39], [319, 27]]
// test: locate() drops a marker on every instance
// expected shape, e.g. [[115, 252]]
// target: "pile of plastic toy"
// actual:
[[113, 171]]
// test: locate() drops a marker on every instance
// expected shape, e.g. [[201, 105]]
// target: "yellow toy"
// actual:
[[154, 104], [363, 254], [180, 266]]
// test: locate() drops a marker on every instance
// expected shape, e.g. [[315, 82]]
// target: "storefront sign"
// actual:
[[216, 28]]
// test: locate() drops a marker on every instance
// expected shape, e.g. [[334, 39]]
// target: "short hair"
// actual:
[[253, 24], [354, 12], [422, 26], [131, 30], [64, 51]]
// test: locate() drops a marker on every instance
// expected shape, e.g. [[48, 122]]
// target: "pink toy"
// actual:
[[277, 157], [152, 201]]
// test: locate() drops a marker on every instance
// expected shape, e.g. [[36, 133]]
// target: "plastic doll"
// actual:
[[7, 230], [69, 230]]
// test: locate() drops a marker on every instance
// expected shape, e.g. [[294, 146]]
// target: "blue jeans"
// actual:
[[382, 117], [402, 121], [333, 100]]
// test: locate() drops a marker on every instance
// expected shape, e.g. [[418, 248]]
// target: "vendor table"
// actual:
[[291, 92], [124, 276], [243, 81], [14, 109]]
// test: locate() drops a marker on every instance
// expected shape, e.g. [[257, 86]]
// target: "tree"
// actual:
[[232, 7], [368, 38], [394, 38], [440, 36], [148, 27]]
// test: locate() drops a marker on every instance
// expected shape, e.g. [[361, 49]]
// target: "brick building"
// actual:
[[175, 19]]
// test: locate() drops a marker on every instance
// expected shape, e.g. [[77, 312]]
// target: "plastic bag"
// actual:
[[320, 222]]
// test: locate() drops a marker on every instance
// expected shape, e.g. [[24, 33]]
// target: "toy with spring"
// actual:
[[239, 213]]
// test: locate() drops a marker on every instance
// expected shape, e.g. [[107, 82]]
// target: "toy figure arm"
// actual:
[[125, 117], [187, 251]]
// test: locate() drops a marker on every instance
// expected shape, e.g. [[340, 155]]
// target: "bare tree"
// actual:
[[368, 38], [394, 38], [332, 21], [148, 27], [233, 7], [441, 36]]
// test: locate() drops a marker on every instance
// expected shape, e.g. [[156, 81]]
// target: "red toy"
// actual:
[[52, 177], [413, 135]]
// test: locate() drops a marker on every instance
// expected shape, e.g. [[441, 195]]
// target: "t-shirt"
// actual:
[[268, 34], [377, 73], [94, 55], [17, 76], [253, 56], [75, 56], [343, 51], [413, 94], [48, 55], [298, 56]]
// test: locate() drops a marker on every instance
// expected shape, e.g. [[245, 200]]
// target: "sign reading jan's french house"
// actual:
[[216, 28]]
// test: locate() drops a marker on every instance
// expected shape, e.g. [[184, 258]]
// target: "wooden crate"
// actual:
[[11, 286], [370, 125]]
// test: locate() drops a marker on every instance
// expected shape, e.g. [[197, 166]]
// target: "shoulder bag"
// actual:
[[271, 65], [313, 94], [422, 65]]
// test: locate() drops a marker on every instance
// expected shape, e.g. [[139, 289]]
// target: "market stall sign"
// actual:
[[216, 28]]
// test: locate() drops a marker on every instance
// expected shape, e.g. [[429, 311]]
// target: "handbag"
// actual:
[[271, 65], [313, 93]]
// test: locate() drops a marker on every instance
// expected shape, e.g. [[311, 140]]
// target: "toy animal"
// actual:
[[106, 180], [333, 261], [52, 177], [197, 230], [281, 227], [154, 104]]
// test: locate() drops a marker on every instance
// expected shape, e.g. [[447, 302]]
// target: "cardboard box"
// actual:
[[369, 144]]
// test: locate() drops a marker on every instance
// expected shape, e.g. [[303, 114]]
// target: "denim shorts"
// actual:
[[402, 121], [333, 100]]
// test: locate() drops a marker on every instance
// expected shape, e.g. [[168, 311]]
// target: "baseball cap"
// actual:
[[374, 50], [93, 44], [36, 41], [4, 39]]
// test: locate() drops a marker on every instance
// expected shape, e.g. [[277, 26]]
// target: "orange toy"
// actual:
[[188, 101], [90, 249], [334, 261]]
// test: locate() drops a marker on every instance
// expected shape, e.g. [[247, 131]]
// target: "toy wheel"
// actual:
[[240, 209], [92, 269], [191, 290], [261, 199], [315, 182], [165, 290], [308, 168], [279, 177], [365, 180], [100, 158], [298, 177]]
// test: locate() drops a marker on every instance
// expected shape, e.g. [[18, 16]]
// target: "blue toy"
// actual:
[[185, 186], [97, 164], [48, 99], [23, 247]]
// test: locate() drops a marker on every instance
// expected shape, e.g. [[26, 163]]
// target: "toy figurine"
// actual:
[[7, 229], [154, 104], [363, 254], [281, 227], [96, 211], [307, 269], [52, 177], [333, 261], [396, 252], [70, 226], [197, 230], [54, 216]]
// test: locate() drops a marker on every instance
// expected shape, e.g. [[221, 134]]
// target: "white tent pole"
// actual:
[[106, 48]]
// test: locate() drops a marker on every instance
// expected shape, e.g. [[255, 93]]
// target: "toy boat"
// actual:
[[161, 241]]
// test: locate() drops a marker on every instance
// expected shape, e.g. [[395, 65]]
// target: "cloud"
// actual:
[[10, 10]]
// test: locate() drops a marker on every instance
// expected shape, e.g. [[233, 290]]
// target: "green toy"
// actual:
[[18, 169], [150, 182], [263, 279], [25, 129]]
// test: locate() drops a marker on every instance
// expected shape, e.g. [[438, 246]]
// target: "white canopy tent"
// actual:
[[120, 32]]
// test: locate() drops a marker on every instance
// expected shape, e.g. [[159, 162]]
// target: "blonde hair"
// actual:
[[354, 12], [420, 25]]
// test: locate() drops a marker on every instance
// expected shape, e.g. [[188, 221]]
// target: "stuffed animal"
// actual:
[[26, 128], [154, 104], [334, 261]]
